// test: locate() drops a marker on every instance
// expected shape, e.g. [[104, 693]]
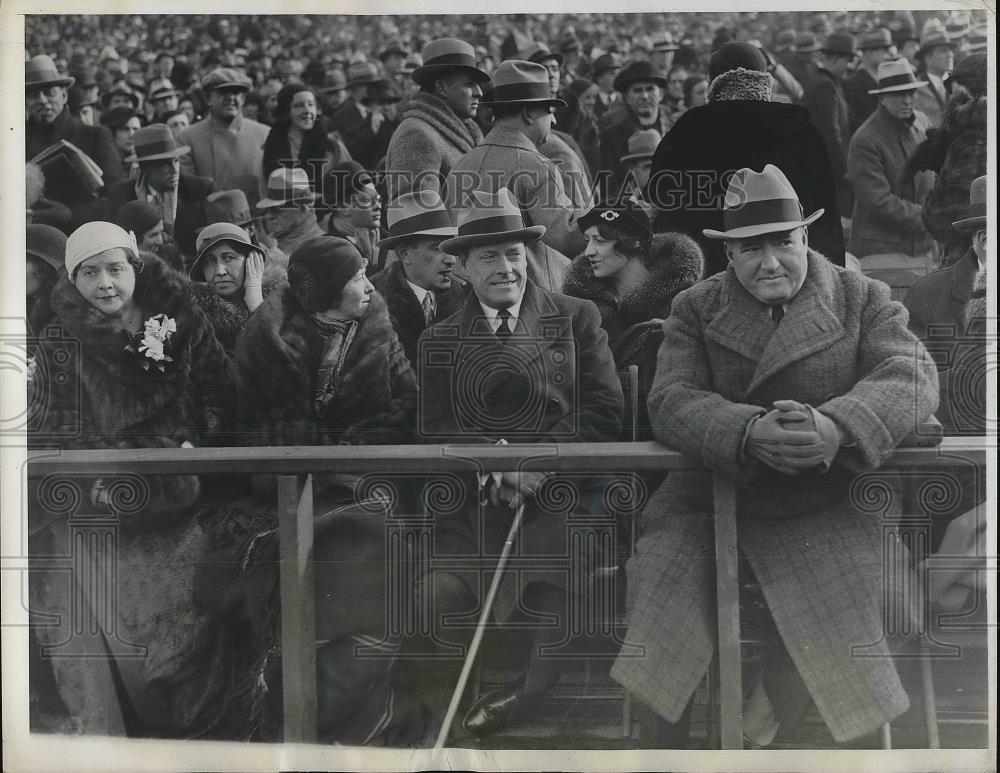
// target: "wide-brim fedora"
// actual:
[[154, 143], [518, 82], [839, 44], [758, 203], [446, 55], [228, 206], [490, 218], [977, 206], [420, 213], [287, 187], [46, 243], [895, 75], [214, 234], [382, 91], [876, 39], [40, 72], [538, 53], [638, 72]]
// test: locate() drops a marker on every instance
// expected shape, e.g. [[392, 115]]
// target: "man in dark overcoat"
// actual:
[[791, 411], [49, 120], [178, 197], [420, 287], [875, 47], [516, 363]]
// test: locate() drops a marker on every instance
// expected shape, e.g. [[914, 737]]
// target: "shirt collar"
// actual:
[[491, 314], [419, 291]]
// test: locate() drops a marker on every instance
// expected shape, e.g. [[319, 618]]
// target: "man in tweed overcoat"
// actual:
[[780, 324]]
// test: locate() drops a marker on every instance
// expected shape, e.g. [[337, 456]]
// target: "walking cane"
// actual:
[[477, 638]]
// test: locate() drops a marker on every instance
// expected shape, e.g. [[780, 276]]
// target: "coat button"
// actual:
[[553, 405]]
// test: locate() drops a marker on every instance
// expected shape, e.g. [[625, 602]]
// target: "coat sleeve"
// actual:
[[872, 192], [600, 407], [540, 192], [898, 385], [685, 411]]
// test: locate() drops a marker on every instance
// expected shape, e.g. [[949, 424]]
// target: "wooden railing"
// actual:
[[294, 467]]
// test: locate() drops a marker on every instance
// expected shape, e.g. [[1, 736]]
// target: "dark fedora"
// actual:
[[40, 71], [447, 55], [361, 73], [230, 206], [154, 143], [839, 44], [806, 43], [382, 92], [977, 207], [121, 88], [393, 49], [639, 72], [47, 244], [606, 63], [538, 53], [490, 219], [875, 39], [519, 82]]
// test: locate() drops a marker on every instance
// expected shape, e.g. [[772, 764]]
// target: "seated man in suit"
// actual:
[[420, 287], [180, 198], [515, 363]]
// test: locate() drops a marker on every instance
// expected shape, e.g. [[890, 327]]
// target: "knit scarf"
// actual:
[[463, 134], [339, 336]]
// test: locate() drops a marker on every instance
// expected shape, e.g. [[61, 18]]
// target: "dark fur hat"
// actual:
[[319, 268]]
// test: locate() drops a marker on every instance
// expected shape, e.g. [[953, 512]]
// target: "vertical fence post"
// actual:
[[728, 594], [298, 607]]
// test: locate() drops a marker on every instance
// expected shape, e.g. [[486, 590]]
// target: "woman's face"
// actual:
[[34, 276], [675, 83], [224, 269], [589, 98], [107, 281], [604, 261], [355, 298], [153, 238], [365, 207], [303, 111], [188, 107], [699, 94], [124, 136]]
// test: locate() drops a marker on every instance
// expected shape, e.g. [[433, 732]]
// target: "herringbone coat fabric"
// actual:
[[825, 566]]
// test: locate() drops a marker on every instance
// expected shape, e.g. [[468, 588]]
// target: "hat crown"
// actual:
[[879, 37], [446, 47], [285, 181], [156, 135], [413, 204], [47, 243], [41, 70], [483, 205], [95, 237], [517, 72], [225, 76], [747, 186], [362, 72], [644, 141], [536, 52], [228, 206], [219, 232], [892, 69], [840, 42], [977, 193]]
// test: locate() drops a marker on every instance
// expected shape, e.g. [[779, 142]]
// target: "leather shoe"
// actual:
[[493, 711]]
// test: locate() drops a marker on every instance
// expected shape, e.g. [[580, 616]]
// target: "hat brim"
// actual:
[[750, 231], [540, 102], [55, 82], [268, 203], [970, 222], [901, 87], [539, 58], [459, 244], [193, 272], [182, 150], [228, 85], [623, 85], [389, 241], [636, 157], [922, 52], [838, 52], [422, 73]]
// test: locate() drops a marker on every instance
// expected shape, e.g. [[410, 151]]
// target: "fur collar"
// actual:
[[963, 113], [740, 84], [678, 265], [463, 134]]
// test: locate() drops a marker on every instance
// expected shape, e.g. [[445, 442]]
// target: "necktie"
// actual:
[[504, 331], [427, 304], [777, 313]]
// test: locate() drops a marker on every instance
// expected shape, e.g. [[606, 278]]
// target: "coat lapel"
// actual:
[[741, 322], [811, 324]]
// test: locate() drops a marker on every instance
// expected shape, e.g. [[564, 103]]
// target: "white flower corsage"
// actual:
[[154, 345]]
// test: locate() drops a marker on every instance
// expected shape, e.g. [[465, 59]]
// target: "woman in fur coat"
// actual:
[[320, 364], [129, 362], [231, 277], [633, 277]]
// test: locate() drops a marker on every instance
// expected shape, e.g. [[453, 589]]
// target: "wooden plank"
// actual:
[[298, 607], [728, 594], [289, 460]]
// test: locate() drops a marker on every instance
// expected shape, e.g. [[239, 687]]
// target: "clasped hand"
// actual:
[[793, 437], [515, 488]]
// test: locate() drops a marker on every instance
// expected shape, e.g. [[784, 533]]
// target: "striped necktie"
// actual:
[[427, 304]]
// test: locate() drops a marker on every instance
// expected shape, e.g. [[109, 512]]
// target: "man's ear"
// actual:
[[728, 247], [805, 236]]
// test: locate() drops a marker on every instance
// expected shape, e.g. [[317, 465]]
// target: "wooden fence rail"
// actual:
[[295, 466]]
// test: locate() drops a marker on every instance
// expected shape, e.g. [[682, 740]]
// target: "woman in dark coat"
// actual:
[[299, 135], [130, 362], [740, 127], [230, 278], [45, 247], [633, 277], [320, 364]]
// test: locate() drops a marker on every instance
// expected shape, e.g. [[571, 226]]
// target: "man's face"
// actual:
[[837, 65], [334, 98], [605, 81], [227, 102], [979, 245], [771, 267], [541, 124], [662, 59], [873, 57], [45, 104], [909, 51], [178, 123], [640, 171], [365, 207], [675, 84], [498, 272], [163, 174], [461, 93], [939, 60], [425, 264], [281, 221], [643, 99], [552, 65], [899, 104], [166, 104]]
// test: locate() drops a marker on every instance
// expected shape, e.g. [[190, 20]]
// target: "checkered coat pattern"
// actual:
[[820, 545]]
